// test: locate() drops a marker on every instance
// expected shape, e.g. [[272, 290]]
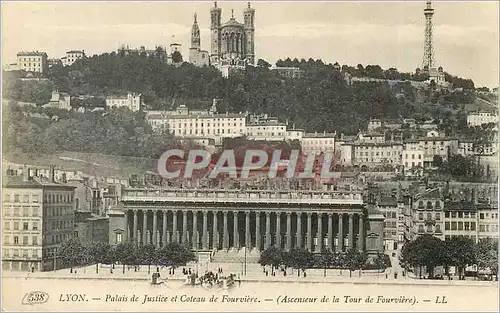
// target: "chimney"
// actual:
[[26, 174], [473, 196], [52, 171]]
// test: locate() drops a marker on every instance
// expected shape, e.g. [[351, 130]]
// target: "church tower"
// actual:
[[215, 24], [194, 51], [249, 16]]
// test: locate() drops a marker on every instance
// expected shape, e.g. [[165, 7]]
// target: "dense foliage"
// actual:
[[73, 253], [49, 130], [458, 251], [318, 100]]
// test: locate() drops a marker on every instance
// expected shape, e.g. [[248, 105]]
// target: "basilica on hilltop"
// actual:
[[232, 43]]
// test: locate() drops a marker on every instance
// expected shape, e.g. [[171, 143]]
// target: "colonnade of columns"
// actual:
[[251, 229]]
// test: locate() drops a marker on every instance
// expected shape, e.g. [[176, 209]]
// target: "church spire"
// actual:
[[195, 33]]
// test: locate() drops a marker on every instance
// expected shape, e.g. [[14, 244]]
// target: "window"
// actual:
[[453, 214], [7, 197], [446, 225], [447, 214], [472, 225], [16, 198], [25, 240], [16, 240], [25, 212], [16, 226], [429, 216], [438, 216], [429, 228], [26, 198], [35, 225], [453, 225], [25, 225], [466, 226], [35, 240], [420, 228], [438, 228], [460, 225], [35, 211], [460, 215], [118, 237], [481, 216]]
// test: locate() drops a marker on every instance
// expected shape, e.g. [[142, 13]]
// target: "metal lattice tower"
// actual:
[[428, 44]]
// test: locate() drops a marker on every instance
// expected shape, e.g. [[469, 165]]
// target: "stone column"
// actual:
[[330, 232], [194, 237], [299, 230], [351, 231], [155, 228], [215, 233], [204, 236], [309, 232], [175, 238], [278, 230], [248, 237], [184, 227], [236, 239], [319, 233], [268, 230], [127, 228], [341, 235], [257, 231], [144, 227], [288, 231], [164, 229], [361, 233], [226, 235], [136, 237]]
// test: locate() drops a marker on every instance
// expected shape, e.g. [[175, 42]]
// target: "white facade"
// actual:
[[487, 222], [185, 123], [72, 56], [268, 131], [376, 154], [316, 143], [294, 134], [480, 118], [132, 101], [60, 100], [32, 61], [412, 159]]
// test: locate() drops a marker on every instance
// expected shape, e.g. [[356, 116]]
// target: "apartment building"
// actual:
[[38, 215], [317, 143], [72, 56], [428, 213], [132, 101], [481, 117], [33, 61]]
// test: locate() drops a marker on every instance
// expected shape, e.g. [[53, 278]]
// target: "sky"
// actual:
[[389, 34]]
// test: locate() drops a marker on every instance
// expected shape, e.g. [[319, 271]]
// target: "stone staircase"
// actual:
[[234, 255]]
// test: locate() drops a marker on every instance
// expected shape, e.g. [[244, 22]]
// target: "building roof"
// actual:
[[270, 123], [76, 51], [319, 135], [170, 117], [18, 182], [388, 201], [232, 22], [434, 193], [462, 205], [380, 144], [31, 53]]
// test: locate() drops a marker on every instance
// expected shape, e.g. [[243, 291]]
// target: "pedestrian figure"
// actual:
[[305, 274], [189, 271], [386, 276], [284, 273], [267, 273], [395, 275], [32, 269], [157, 269]]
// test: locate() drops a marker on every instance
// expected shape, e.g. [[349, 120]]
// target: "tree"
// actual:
[[298, 258], [326, 259], [71, 253], [426, 250], [271, 256], [487, 255], [437, 161], [126, 253], [174, 255], [354, 260], [98, 253], [148, 255], [459, 251], [176, 57], [263, 63]]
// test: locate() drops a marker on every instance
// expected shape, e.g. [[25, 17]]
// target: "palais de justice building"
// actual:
[[222, 219]]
